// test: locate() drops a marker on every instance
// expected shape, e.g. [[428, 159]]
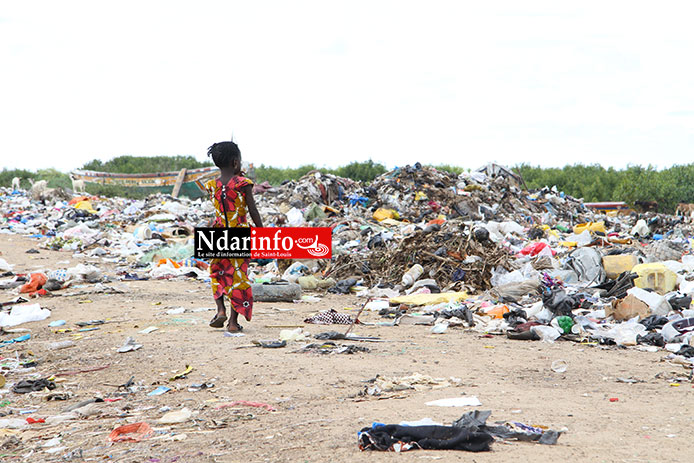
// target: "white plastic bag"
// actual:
[[640, 229], [24, 314], [295, 218], [657, 303], [4, 266], [546, 334]]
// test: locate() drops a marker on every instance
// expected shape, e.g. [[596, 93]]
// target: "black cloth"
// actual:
[[653, 322], [618, 288], [559, 302], [476, 421], [687, 351], [652, 339], [343, 286], [384, 436], [462, 312], [516, 317], [32, 385], [680, 302]]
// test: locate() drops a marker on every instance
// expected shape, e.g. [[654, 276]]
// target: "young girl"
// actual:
[[232, 196]]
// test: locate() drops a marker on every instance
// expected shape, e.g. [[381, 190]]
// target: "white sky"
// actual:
[[328, 82]]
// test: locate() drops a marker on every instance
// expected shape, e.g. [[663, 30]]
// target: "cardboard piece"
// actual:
[[628, 308]]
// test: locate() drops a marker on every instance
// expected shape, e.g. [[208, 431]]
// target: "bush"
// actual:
[[145, 164]]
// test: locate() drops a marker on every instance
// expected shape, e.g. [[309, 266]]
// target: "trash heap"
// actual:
[[152, 236], [310, 198], [460, 228], [480, 252]]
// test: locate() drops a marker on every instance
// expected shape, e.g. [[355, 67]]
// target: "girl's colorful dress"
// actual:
[[230, 276]]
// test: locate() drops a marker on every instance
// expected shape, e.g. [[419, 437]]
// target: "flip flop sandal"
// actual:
[[218, 322], [238, 330]]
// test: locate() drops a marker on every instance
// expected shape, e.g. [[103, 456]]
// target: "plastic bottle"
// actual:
[[61, 345], [565, 323], [412, 275]]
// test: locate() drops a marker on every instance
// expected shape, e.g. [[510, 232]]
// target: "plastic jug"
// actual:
[[655, 276], [616, 265], [412, 275]]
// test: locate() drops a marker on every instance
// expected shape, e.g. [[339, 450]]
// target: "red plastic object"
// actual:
[[534, 249], [131, 433], [36, 282], [614, 399], [34, 421]]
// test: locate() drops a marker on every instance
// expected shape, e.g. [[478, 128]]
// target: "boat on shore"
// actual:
[[189, 183]]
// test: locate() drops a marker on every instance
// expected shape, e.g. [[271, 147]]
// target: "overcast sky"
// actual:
[[328, 82]]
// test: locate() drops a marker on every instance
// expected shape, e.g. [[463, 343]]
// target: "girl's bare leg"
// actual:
[[221, 316], [233, 325], [221, 310]]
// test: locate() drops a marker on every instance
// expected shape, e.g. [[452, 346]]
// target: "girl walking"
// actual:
[[232, 196]]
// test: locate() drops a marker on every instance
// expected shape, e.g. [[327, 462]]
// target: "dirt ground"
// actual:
[[318, 410]]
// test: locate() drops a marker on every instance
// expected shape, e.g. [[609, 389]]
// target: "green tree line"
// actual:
[[590, 182], [635, 183]]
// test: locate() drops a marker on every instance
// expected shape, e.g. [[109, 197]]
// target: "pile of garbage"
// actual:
[[153, 235], [295, 203], [515, 258]]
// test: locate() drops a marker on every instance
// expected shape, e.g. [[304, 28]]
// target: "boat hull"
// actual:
[[161, 182]]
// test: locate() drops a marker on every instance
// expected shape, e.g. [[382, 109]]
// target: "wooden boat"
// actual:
[[185, 182], [610, 207]]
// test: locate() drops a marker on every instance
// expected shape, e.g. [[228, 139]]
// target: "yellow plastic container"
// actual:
[[590, 226], [655, 276], [616, 265], [382, 214]]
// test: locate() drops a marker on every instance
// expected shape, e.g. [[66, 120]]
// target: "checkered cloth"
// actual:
[[329, 317]]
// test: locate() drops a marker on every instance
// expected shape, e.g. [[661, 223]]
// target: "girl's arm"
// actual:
[[250, 203]]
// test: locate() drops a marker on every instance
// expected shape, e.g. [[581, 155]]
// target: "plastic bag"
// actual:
[[640, 229], [546, 334], [534, 249], [4, 266], [24, 314], [625, 334], [83, 272], [131, 433], [587, 263], [177, 416], [295, 218], [657, 303]]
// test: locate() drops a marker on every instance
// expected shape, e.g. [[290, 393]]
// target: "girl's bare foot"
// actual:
[[234, 327], [218, 320], [221, 316]]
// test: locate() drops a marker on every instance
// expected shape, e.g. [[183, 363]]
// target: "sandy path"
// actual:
[[317, 416]]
